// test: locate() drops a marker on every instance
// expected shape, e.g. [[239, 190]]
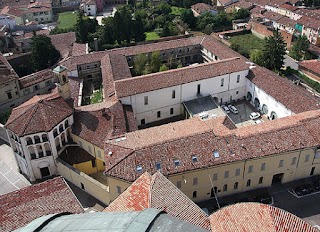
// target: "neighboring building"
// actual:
[[21, 207], [310, 68], [287, 10], [89, 7], [225, 3], [8, 21], [202, 8], [310, 28]]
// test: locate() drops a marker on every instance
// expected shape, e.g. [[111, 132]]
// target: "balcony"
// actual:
[[48, 153], [29, 142]]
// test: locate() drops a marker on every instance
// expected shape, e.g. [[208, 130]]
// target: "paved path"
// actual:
[[288, 61], [10, 178]]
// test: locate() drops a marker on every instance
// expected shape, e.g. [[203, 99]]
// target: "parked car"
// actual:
[[264, 198], [233, 109], [258, 121], [254, 115], [225, 108]]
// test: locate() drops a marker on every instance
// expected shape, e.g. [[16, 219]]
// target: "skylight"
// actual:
[[216, 154], [177, 162], [158, 165], [139, 168], [194, 158]]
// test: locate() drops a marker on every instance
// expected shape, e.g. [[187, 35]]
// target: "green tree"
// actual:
[[84, 27], [140, 61], [188, 18], [138, 30], [123, 24], [300, 48], [163, 68], [274, 51], [257, 56], [44, 54], [241, 14], [155, 62]]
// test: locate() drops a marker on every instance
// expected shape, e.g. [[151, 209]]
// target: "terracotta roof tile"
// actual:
[[309, 22], [39, 114], [75, 155], [201, 7], [158, 192], [154, 81], [25, 205], [287, 22], [256, 217], [313, 65], [288, 7], [283, 90], [272, 15], [79, 49], [35, 78], [64, 43]]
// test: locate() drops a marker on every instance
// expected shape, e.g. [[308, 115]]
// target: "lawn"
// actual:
[[246, 43], [152, 35], [176, 10], [96, 97], [67, 20]]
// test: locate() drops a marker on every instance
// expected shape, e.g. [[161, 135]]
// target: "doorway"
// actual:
[[277, 179], [213, 192], [45, 172]]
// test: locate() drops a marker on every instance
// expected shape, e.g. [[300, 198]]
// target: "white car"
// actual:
[[226, 109], [233, 109], [258, 121], [254, 115]]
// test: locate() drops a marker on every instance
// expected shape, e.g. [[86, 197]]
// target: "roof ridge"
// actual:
[[34, 108]]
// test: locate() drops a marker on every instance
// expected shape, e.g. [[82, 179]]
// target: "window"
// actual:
[[93, 162], [159, 114], [173, 94], [195, 181], [226, 174], [306, 158], [171, 111], [260, 180], [222, 82], [158, 165], [238, 78], [194, 159], [118, 189], [194, 194], [235, 186], [26, 91], [143, 121], [263, 166], [198, 89], [250, 169], [177, 162], [237, 92], [281, 163], [312, 171], [215, 154], [9, 95], [294, 160], [179, 184], [36, 87], [82, 186], [215, 176], [139, 168], [146, 100], [248, 183], [225, 188], [238, 172]]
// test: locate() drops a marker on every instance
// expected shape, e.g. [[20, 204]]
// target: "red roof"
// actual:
[[158, 192], [25, 205], [35, 78], [309, 22], [245, 217], [201, 7], [312, 65], [288, 7], [41, 113]]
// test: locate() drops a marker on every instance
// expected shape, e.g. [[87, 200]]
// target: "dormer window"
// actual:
[[177, 162], [216, 154], [194, 159], [158, 165]]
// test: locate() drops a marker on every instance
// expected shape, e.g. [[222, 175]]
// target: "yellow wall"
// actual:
[[86, 167]]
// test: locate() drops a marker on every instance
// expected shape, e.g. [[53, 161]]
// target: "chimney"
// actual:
[[95, 41]]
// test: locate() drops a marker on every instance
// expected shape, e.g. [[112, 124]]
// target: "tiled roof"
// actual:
[[99, 122], [313, 65], [64, 43], [287, 22], [158, 192], [159, 145], [201, 7], [10, 10], [35, 78], [272, 16], [314, 49], [283, 90], [7, 73], [25, 205], [315, 14], [79, 49], [74, 87], [245, 217], [154, 81], [75, 155], [309, 22], [288, 7], [41, 113]]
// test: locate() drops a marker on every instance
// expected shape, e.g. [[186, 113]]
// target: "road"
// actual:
[[288, 61]]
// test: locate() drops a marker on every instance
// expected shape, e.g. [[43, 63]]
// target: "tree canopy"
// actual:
[[84, 27], [299, 50], [44, 54]]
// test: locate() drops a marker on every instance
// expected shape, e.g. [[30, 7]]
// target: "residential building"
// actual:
[[89, 7], [202, 8], [310, 68]]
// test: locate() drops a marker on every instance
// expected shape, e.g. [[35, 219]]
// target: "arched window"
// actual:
[[47, 149], [249, 96], [36, 139], [248, 182], [225, 187], [264, 109], [44, 138], [66, 124], [257, 103], [40, 151], [194, 194], [29, 140], [60, 128], [32, 152], [273, 115], [55, 132], [236, 185]]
